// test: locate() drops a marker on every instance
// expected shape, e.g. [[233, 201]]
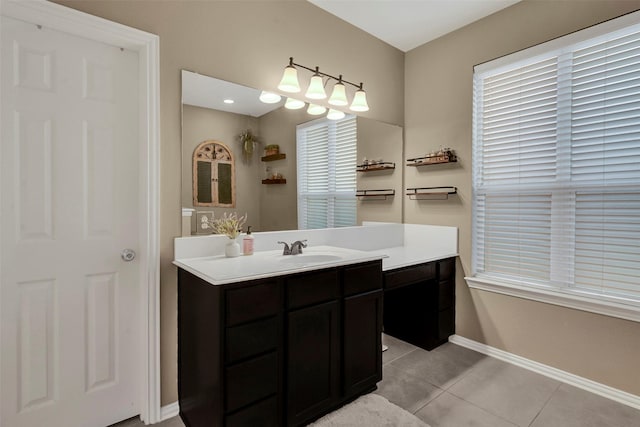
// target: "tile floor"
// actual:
[[452, 386]]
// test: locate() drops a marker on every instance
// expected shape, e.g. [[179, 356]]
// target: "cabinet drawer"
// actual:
[[362, 278], [250, 381], [251, 339], [264, 414], [447, 269], [252, 303], [409, 275], [312, 288], [446, 294]]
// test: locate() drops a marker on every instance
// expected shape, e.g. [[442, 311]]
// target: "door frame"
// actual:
[[71, 21]]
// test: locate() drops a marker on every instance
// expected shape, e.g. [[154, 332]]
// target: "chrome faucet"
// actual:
[[287, 249], [295, 248]]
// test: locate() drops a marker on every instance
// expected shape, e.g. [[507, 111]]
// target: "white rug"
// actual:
[[370, 410]]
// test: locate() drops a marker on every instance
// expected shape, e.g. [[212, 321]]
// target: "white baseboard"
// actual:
[[551, 372], [169, 411]]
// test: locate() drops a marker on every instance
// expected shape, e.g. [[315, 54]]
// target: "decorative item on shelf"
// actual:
[[271, 149], [315, 91], [443, 155], [430, 193], [374, 165], [248, 141], [231, 226], [375, 194], [274, 177]]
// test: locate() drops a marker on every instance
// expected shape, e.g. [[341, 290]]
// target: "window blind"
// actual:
[[556, 147], [326, 154]]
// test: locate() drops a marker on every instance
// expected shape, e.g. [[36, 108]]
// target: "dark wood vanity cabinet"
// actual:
[[419, 303], [280, 351]]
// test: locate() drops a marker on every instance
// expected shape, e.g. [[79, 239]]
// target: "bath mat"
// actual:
[[370, 410]]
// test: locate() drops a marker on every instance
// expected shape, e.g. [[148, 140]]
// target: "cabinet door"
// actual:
[[313, 361], [362, 325]]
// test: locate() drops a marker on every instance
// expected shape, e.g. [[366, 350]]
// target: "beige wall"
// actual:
[[377, 140], [438, 78], [279, 203], [246, 42], [202, 124]]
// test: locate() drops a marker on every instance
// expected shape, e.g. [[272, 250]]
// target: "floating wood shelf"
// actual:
[[430, 193], [274, 181], [375, 194], [433, 159], [380, 166], [273, 157]]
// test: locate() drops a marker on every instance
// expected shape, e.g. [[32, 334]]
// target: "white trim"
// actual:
[[558, 297], [169, 411], [61, 18], [551, 372], [542, 49]]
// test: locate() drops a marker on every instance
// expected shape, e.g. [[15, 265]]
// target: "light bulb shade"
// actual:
[[293, 104], [269, 97], [289, 82], [338, 96], [359, 101], [316, 110], [316, 88], [335, 114]]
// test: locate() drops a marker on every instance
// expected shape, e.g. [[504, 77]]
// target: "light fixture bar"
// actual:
[[316, 70]]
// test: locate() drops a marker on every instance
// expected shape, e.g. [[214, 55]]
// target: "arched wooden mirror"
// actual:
[[213, 175]]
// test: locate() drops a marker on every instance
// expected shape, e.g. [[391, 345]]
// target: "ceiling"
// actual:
[[407, 24], [208, 92]]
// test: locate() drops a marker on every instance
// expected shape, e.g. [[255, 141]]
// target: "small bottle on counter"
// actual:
[[247, 242]]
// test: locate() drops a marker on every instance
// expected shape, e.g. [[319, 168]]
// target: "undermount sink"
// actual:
[[309, 258]]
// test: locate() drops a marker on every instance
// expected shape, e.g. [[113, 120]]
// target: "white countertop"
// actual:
[[398, 245], [404, 256], [220, 270]]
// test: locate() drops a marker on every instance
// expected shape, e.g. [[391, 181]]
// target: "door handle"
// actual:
[[128, 255]]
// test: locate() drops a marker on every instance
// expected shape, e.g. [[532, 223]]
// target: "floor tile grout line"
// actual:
[[483, 409], [398, 357], [546, 403], [430, 400]]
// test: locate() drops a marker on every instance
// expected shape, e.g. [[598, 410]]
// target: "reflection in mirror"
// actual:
[[271, 204], [213, 175]]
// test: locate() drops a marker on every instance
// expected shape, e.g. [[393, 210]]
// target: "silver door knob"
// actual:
[[128, 255]]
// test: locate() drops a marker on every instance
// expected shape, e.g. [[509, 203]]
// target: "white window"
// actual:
[[556, 171], [327, 173]]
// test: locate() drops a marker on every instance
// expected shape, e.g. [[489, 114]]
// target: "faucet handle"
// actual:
[[287, 249], [296, 247]]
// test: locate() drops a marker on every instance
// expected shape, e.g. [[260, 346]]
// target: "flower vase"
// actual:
[[232, 249]]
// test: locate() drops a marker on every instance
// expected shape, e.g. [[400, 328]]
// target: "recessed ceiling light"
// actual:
[[228, 101]]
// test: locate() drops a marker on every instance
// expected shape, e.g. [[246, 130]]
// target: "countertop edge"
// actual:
[[293, 270]]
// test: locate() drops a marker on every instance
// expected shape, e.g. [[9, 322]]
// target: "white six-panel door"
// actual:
[[69, 206]]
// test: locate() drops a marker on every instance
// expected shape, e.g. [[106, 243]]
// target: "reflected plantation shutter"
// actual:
[[556, 167], [326, 173]]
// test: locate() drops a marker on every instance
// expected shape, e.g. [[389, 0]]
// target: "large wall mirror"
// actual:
[[261, 185]]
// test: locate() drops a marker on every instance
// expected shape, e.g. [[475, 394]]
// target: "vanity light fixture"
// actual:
[[294, 104], [289, 83], [316, 87], [335, 114], [339, 94], [316, 110], [269, 97]]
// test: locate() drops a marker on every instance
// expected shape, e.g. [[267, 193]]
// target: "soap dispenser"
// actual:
[[247, 242]]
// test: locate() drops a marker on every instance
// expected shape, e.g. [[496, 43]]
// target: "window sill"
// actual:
[[558, 297]]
